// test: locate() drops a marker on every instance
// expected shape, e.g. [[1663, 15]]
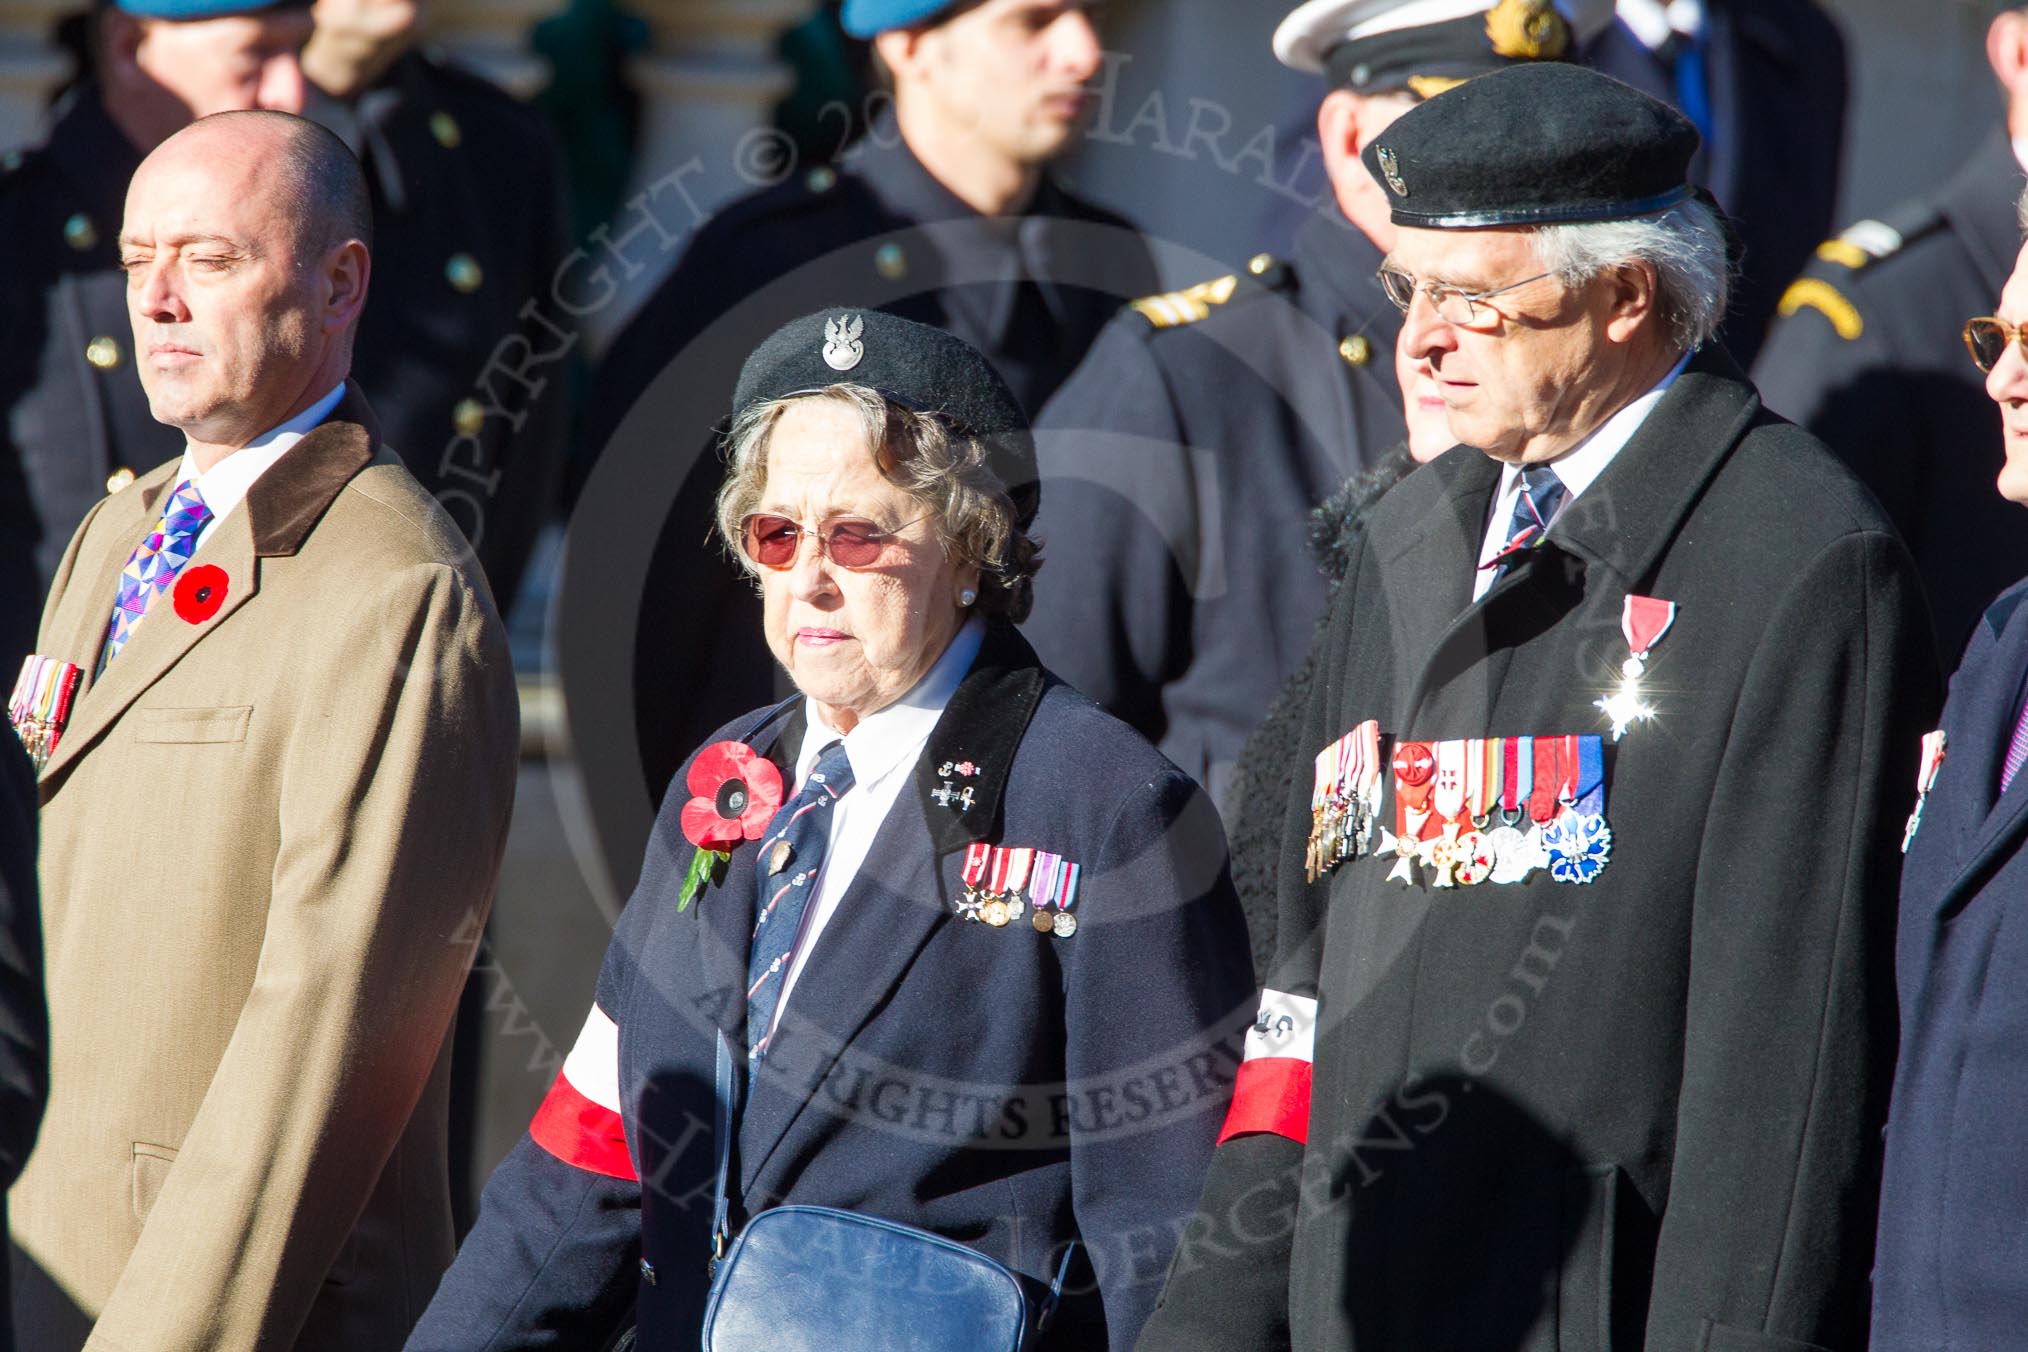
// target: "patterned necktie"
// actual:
[[2017, 751], [1534, 508], [785, 872], [152, 568]]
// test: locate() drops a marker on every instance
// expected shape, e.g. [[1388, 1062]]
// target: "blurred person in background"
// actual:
[[1187, 452], [74, 423], [1867, 354], [1273, 759], [946, 212]]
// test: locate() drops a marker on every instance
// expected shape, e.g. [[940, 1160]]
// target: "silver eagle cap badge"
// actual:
[[842, 348], [1391, 167]]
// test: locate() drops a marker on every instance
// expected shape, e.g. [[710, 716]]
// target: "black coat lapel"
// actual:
[[1982, 822]]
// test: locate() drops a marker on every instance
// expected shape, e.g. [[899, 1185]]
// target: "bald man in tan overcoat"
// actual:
[[273, 822]]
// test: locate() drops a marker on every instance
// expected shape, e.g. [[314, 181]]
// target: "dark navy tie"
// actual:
[[1534, 508], [785, 872]]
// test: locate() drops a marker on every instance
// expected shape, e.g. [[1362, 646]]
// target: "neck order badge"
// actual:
[[1644, 620]]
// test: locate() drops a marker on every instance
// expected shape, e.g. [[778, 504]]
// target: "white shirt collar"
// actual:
[[1652, 21], [226, 483], [891, 738]]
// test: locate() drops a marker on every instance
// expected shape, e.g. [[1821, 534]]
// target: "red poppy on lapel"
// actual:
[[199, 592], [736, 792]]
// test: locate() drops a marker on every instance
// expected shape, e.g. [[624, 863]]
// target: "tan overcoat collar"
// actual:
[[280, 510]]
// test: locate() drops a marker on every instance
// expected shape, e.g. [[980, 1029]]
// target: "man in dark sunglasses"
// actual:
[[1956, 1177]]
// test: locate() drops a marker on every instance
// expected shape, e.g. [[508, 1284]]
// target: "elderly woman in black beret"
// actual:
[[970, 941]]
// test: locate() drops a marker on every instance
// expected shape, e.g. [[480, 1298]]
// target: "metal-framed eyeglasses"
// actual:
[[772, 540], [1987, 338], [1453, 304]]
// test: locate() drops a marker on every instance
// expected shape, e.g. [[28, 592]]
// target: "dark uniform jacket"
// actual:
[[1950, 1273], [878, 231], [1009, 1089], [1775, 76], [1641, 1112], [1870, 355], [460, 342], [454, 261], [1181, 463]]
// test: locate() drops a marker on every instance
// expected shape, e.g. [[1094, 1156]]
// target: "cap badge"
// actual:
[[842, 348], [1527, 30], [1391, 167]]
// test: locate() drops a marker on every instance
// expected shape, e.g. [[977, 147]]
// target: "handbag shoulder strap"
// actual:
[[726, 1094]]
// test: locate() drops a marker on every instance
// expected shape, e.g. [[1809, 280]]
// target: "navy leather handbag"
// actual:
[[817, 1279]]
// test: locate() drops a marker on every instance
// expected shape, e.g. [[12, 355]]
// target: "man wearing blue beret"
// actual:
[[74, 424], [945, 213]]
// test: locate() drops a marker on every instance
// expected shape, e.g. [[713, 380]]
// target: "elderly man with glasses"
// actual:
[[1949, 1255], [1580, 1025]]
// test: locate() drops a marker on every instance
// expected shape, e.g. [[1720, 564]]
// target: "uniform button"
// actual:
[[1356, 350], [821, 178], [10, 161], [647, 1272], [103, 352], [890, 262], [445, 128], [464, 273], [468, 417], [81, 232], [119, 479], [1260, 263]]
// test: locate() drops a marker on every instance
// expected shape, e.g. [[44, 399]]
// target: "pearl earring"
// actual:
[[967, 596]]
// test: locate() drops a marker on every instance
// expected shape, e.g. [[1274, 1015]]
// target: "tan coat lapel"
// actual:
[[280, 510]]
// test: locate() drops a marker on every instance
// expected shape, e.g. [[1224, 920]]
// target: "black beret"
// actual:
[[1534, 144], [914, 365]]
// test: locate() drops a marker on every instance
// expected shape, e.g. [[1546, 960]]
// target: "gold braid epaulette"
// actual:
[[1187, 306]]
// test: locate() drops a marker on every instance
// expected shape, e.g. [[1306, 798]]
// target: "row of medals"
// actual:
[[1000, 909], [1470, 851]]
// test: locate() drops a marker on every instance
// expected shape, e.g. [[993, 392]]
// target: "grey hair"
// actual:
[[2021, 211], [951, 475], [1685, 245]]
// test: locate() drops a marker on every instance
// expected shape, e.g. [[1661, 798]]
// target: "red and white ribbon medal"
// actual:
[[1933, 749], [977, 856], [1644, 620]]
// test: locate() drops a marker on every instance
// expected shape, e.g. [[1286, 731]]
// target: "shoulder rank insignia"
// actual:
[[1188, 306], [1867, 242], [1814, 293]]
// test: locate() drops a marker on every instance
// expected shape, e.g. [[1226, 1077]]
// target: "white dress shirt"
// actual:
[[225, 485], [1654, 22], [882, 748], [1578, 467]]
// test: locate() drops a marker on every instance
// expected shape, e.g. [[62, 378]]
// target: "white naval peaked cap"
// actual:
[[1312, 29]]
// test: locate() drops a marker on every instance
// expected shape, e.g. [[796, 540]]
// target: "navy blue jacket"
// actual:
[[1009, 1089], [1951, 1270], [1180, 464]]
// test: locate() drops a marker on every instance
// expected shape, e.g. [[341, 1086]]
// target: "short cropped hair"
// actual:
[[321, 179], [948, 473], [1685, 245]]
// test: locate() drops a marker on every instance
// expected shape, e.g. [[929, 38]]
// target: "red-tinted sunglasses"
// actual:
[[850, 542]]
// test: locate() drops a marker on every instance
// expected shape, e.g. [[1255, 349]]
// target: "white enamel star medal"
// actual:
[[1644, 620]]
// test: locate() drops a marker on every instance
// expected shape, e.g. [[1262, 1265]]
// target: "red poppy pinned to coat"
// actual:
[[199, 593], [735, 792]]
